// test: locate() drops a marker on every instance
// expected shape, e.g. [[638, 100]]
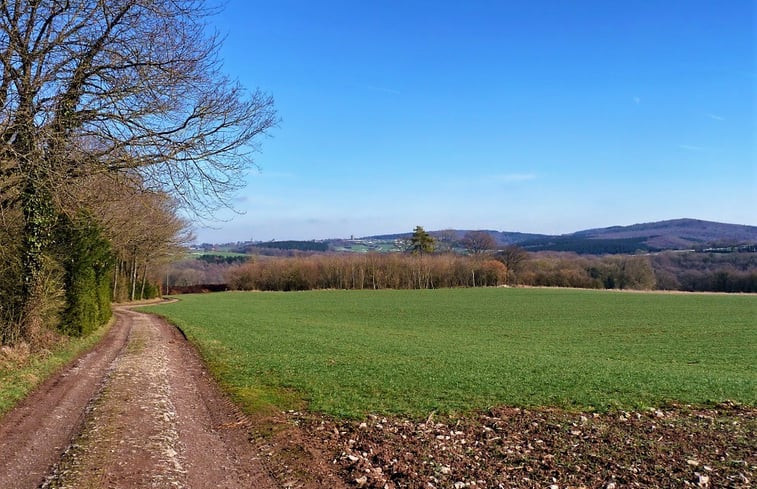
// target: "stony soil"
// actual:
[[513, 448]]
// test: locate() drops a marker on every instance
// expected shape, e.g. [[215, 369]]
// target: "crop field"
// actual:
[[413, 352]]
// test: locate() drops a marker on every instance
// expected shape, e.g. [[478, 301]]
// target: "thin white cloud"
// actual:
[[715, 117], [689, 147], [512, 177], [637, 100], [255, 200]]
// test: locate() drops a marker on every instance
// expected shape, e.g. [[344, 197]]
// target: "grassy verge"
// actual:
[[348, 353], [21, 372]]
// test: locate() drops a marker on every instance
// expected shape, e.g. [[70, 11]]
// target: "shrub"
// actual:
[[87, 263]]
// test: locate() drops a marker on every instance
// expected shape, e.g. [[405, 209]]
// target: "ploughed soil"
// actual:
[[140, 410], [510, 447]]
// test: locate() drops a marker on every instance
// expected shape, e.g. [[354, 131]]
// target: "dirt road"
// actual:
[[138, 411]]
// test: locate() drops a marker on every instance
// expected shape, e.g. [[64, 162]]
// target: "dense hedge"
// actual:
[[87, 262]]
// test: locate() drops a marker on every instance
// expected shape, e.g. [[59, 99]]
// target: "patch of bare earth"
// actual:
[[513, 448]]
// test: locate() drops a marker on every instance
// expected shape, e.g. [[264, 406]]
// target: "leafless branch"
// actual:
[[94, 86]]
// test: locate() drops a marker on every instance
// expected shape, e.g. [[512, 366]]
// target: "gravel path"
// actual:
[[138, 411]]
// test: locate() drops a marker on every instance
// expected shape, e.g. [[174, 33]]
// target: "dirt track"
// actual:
[[137, 411]]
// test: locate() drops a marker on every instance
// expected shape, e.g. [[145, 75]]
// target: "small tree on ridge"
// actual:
[[421, 242]]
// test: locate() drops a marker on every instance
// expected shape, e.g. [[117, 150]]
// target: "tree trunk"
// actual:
[[115, 280], [134, 278], [144, 279], [39, 219]]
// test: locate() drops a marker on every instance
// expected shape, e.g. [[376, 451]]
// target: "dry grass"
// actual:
[[24, 366]]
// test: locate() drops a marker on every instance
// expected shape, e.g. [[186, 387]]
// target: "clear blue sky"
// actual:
[[538, 116]]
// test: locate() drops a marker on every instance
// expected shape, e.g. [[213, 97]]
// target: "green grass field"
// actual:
[[348, 353]]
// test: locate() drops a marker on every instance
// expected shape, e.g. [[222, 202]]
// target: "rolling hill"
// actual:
[[675, 234]]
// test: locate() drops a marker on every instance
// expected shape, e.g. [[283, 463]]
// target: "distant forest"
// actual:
[[290, 245], [590, 246]]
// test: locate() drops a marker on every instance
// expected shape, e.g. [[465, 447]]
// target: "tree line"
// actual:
[[510, 266], [369, 271], [113, 115], [435, 261]]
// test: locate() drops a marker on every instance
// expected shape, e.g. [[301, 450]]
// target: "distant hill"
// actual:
[[678, 233], [501, 237], [673, 234]]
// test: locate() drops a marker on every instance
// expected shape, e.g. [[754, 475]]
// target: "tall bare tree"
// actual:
[[513, 257], [478, 242], [117, 86], [446, 239], [142, 226]]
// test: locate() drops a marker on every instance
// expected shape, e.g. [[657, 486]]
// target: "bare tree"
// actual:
[[513, 257], [446, 239], [117, 86], [142, 226], [478, 242]]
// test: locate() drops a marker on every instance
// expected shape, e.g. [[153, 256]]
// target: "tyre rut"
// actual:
[[139, 410]]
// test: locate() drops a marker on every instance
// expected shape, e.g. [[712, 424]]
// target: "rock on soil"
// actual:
[[512, 448]]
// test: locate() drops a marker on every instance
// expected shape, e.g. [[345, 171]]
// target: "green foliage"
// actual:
[[421, 242], [39, 219], [223, 258], [11, 282], [592, 246], [87, 261], [152, 291], [349, 353], [39, 222], [294, 245]]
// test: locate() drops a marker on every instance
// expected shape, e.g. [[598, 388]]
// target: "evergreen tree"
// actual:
[[421, 242]]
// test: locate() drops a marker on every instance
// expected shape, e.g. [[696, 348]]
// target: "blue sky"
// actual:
[[539, 116]]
